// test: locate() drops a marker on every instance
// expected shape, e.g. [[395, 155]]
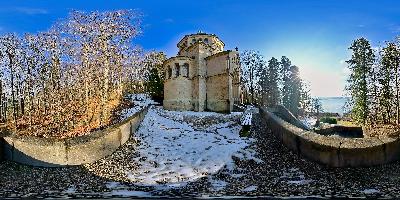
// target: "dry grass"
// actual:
[[389, 130], [347, 123], [71, 120]]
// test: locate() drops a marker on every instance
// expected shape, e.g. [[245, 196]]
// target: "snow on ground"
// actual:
[[308, 121], [250, 188], [218, 185], [122, 191], [174, 152], [70, 190], [140, 101], [370, 191], [294, 176], [130, 193]]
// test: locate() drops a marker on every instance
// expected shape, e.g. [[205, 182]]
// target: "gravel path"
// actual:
[[281, 174]]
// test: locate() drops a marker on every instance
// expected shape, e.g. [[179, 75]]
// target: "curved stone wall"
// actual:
[[333, 151], [1, 149], [48, 152]]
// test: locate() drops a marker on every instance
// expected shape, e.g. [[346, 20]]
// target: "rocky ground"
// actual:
[[280, 173]]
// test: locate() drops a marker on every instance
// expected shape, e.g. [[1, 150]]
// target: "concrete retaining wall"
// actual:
[[333, 151], [344, 131], [1, 149], [46, 152]]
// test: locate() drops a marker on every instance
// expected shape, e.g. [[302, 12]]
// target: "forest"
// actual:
[[72, 79], [374, 84], [275, 82]]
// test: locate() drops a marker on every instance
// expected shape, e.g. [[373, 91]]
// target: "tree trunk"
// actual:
[[397, 97], [251, 85], [10, 57]]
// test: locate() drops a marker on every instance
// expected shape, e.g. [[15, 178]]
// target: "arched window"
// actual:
[[185, 71], [194, 40], [206, 40], [169, 71], [177, 69], [199, 40]]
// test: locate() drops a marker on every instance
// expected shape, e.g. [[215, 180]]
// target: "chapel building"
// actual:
[[203, 76]]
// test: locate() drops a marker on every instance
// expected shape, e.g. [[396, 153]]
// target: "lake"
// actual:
[[334, 104]]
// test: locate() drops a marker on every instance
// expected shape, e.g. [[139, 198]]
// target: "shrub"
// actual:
[[155, 85], [329, 120], [245, 132]]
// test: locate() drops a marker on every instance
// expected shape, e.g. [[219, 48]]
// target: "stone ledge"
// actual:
[[333, 151], [50, 152]]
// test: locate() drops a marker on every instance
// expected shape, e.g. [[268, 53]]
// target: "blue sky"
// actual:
[[314, 34]]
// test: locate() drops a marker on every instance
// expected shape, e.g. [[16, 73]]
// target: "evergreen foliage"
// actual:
[[329, 120], [272, 74], [294, 91], [273, 83], [360, 66], [155, 85], [285, 80], [390, 81]]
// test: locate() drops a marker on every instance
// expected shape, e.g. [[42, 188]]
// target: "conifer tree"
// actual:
[[305, 98], [273, 93], [155, 77], [262, 84], [360, 66], [155, 85], [389, 72], [285, 80], [294, 90]]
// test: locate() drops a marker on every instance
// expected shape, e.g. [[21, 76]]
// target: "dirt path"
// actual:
[[263, 167]]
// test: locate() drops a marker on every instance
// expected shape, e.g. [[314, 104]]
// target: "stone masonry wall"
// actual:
[[333, 151], [218, 91], [178, 93], [47, 152], [210, 83]]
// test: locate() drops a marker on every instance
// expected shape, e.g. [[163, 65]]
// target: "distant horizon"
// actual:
[[332, 96]]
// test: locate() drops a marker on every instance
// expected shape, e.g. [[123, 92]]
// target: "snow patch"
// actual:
[[249, 189], [295, 177], [218, 185], [70, 190], [140, 101], [112, 185], [248, 154], [130, 193], [370, 191], [173, 153], [309, 122], [237, 175], [299, 182]]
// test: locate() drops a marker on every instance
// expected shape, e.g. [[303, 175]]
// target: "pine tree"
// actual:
[[262, 84], [360, 66], [316, 106], [155, 85], [285, 80], [305, 98], [389, 72], [374, 87], [273, 93], [294, 90]]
